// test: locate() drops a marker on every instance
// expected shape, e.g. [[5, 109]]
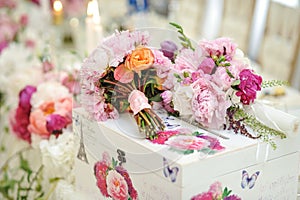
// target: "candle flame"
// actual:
[[57, 6]]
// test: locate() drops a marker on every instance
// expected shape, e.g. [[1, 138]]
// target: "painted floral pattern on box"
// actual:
[[113, 180]]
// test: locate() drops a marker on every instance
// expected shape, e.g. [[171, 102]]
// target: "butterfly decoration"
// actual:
[[121, 156], [249, 181], [170, 172]]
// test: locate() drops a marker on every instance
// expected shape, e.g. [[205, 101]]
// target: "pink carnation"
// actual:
[[209, 104], [249, 85], [219, 47]]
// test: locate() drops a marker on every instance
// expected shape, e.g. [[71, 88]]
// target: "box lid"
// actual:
[[206, 156]]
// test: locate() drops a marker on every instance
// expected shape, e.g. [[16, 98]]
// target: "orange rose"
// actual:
[[140, 59]]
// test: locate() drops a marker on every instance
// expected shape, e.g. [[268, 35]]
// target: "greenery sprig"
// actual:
[[264, 132], [186, 42], [273, 83]]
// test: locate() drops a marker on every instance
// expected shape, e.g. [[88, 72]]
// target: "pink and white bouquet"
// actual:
[[210, 83]]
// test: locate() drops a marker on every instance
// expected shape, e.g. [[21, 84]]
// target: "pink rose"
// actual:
[[187, 142], [138, 101], [249, 85], [116, 185], [209, 104]]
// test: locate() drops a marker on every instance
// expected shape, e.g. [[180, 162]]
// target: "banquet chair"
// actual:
[[280, 44], [236, 21]]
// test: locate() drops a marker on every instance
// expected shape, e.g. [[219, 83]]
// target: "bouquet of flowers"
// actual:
[[210, 83]]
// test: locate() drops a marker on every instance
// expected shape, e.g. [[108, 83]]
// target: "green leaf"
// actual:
[[185, 40], [55, 179], [226, 192], [236, 82], [156, 98], [229, 73], [197, 133], [186, 74]]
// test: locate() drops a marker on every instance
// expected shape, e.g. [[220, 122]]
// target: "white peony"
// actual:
[[182, 97], [58, 155], [49, 91]]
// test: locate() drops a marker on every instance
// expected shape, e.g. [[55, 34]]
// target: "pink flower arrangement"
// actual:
[[41, 112], [113, 180], [201, 82]]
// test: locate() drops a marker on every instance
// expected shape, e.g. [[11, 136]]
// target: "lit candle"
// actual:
[[93, 26], [57, 12]]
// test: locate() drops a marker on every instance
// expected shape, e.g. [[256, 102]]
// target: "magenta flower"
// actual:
[[250, 83], [20, 120], [25, 96], [168, 48], [55, 123], [100, 170], [203, 196], [163, 136]]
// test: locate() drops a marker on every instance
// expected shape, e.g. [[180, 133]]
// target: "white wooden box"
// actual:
[[251, 169]]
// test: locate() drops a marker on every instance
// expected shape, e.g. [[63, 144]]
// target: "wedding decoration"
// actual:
[[113, 180], [210, 83]]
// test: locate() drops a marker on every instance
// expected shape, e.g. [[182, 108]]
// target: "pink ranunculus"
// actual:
[[100, 170], [209, 104], [219, 47], [250, 83], [116, 185], [203, 196], [187, 142], [216, 190]]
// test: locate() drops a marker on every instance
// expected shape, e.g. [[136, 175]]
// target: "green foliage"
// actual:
[[273, 83], [186, 42], [226, 192], [266, 133]]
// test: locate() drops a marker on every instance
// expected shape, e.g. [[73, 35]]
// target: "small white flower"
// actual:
[[182, 97]]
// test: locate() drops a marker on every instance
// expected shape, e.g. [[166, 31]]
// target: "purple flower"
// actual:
[[232, 197], [168, 48], [249, 84], [214, 142], [55, 123], [25, 96]]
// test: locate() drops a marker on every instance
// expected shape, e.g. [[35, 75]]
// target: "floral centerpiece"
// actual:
[[210, 83]]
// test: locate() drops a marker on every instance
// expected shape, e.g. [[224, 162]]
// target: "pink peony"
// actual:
[[132, 192], [187, 142], [38, 124], [161, 63], [209, 104], [116, 185], [55, 123], [163, 136], [103, 111], [207, 65], [188, 60], [219, 47], [72, 83], [249, 85], [203, 196]]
